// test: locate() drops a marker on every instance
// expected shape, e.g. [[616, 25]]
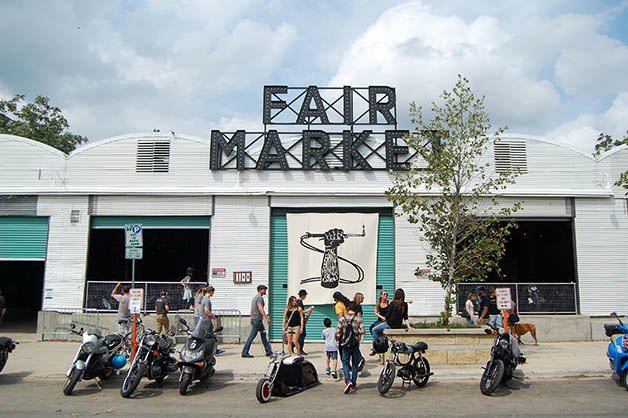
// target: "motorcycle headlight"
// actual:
[[151, 340], [89, 348], [504, 344]]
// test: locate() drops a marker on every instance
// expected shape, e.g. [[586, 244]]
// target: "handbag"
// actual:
[[513, 318]]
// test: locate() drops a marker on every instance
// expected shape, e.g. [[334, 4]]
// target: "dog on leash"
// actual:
[[522, 329]]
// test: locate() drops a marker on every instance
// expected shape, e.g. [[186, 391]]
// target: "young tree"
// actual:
[[606, 143], [38, 121], [450, 192]]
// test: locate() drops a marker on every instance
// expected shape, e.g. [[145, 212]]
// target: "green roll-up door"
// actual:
[[174, 222], [279, 277], [23, 238]]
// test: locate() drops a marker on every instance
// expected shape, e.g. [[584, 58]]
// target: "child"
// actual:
[[331, 348]]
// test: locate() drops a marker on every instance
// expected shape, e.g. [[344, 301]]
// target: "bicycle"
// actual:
[[416, 369]]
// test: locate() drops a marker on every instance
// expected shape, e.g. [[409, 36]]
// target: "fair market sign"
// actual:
[[342, 128]]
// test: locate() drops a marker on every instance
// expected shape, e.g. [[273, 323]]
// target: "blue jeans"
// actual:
[[257, 326], [350, 359], [496, 320], [378, 331], [374, 324], [470, 321]]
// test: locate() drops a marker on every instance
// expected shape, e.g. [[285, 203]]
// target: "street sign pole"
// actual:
[[134, 314], [133, 242]]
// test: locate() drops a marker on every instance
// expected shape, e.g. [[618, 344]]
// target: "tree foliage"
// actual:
[[605, 143], [450, 191], [39, 121]]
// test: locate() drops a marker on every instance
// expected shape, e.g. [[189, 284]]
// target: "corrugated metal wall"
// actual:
[[602, 255], [239, 242], [150, 205], [23, 238], [279, 276]]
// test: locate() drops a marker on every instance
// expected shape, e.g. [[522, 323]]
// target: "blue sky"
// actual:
[[554, 69]]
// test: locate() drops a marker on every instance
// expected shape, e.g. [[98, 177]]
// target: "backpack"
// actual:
[[349, 338]]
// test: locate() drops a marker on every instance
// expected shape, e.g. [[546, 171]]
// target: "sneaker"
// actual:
[[348, 387], [353, 388], [334, 374], [327, 372], [303, 353], [522, 360], [361, 364], [269, 354], [247, 355], [219, 352]]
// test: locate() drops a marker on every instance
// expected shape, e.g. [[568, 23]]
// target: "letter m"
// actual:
[[221, 144]]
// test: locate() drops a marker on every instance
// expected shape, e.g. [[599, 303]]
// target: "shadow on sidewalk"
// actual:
[[15, 377]]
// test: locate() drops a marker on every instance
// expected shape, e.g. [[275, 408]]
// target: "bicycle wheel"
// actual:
[[386, 378]]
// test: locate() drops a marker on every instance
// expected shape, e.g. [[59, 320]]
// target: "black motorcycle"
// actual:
[[502, 363], [96, 357], [7, 345], [153, 360], [414, 367], [197, 357]]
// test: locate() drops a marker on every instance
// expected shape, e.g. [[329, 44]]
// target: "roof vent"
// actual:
[[152, 157], [510, 155]]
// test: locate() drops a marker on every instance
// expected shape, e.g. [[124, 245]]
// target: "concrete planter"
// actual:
[[449, 346]]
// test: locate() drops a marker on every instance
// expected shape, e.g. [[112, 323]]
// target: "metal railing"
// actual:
[[531, 298], [55, 324]]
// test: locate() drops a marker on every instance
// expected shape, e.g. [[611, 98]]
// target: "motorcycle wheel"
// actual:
[[110, 371], [73, 379], [624, 380], [3, 359], [491, 377], [386, 378], [132, 379], [424, 368], [186, 380], [264, 390]]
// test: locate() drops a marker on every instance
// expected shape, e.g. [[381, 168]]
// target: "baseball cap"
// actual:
[[189, 270], [164, 293], [260, 287], [302, 292], [480, 288]]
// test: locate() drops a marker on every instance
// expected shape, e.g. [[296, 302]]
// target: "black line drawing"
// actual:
[[330, 272]]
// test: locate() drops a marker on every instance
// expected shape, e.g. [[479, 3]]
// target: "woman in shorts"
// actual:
[[292, 324]]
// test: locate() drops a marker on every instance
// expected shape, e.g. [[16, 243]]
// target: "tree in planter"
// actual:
[[450, 192], [606, 143], [38, 121]]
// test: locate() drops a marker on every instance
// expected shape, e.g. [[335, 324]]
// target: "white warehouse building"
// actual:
[[62, 219]]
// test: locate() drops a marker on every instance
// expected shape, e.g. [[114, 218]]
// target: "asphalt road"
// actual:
[[21, 397]]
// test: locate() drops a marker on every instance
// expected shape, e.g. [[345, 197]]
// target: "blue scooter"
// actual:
[[618, 349]]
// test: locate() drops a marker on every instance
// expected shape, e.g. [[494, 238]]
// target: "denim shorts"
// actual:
[[333, 355]]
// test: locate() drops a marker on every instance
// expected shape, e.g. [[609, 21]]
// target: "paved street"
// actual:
[[574, 397]]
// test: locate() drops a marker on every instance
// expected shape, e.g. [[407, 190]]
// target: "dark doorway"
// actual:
[[167, 253], [22, 287]]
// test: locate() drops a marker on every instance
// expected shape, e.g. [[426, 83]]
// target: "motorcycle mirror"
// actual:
[[183, 321], [171, 334], [72, 326], [220, 328]]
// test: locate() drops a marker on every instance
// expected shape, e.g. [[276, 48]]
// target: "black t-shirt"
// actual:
[[483, 303], [383, 310], [300, 303], [492, 306], [295, 319], [160, 306], [358, 310], [395, 315]]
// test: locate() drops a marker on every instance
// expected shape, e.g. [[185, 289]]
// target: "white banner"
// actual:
[[330, 252]]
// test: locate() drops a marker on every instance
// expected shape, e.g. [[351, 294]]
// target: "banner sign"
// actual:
[[330, 252]]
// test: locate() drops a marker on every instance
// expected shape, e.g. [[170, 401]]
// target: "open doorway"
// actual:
[[22, 287]]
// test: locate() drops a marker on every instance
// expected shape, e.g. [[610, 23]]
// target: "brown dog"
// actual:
[[522, 329]]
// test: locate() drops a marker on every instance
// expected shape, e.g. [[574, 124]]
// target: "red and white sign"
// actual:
[[504, 300], [136, 299]]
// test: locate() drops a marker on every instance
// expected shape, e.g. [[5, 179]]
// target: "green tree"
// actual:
[[449, 192], [605, 143], [38, 121]]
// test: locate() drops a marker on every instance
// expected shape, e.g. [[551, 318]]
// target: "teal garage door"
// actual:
[[23, 238], [278, 292]]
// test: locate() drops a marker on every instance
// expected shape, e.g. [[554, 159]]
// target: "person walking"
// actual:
[[381, 307], [358, 298], [349, 332], [494, 314], [469, 308], [331, 349], [206, 315], [124, 315], [306, 317], [396, 317], [340, 304], [257, 324], [3, 307], [161, 309], [292, 323], [187, 290], [198, 298], [483, 306]]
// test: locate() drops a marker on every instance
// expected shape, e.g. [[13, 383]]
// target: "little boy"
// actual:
[[331, 348]]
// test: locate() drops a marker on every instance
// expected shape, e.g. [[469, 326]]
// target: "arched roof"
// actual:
[[33, 143]]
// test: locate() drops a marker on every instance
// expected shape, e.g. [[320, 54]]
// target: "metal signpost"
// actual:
[[504, 302], [133, 242]]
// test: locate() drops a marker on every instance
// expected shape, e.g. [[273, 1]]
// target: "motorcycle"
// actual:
[[7, 345], [285, 375], [197, 357], [152, 360], [617, 352], [97, 356], [415, 369], [503, 361]]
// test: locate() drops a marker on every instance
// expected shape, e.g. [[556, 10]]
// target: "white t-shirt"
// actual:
[[329, 334], [468, 306]]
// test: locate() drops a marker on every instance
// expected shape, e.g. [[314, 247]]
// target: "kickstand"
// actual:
[[97, 384]]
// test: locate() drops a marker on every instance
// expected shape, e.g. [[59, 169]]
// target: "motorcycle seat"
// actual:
[[420, 346], [112, 340], [165, 344], [288, 361], [5, 342]]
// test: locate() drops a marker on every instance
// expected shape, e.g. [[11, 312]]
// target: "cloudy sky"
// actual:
[[557, 69]]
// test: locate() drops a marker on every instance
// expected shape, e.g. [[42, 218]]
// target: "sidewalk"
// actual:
[[50, 360]]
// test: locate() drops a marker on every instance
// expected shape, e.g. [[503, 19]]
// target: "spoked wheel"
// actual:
[[386, 378], [424, 369], [132, 379], [624, 380], [3, 359], [107, 375], [186, 381], [73, 379], [264, 390], [492, 376]]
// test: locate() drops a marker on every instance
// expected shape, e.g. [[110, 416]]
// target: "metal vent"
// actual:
[[510, 155], [152, 157]]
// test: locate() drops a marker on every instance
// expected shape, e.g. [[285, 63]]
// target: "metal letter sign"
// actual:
[[133, 253], [136, 300], [133, 235], [503, 297]]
